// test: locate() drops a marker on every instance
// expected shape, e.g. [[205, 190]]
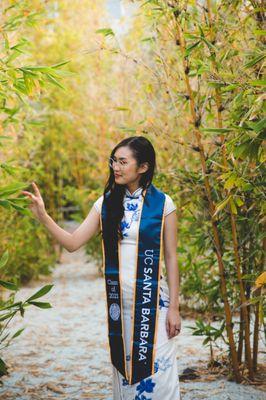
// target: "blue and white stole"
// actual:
[[146, 295]]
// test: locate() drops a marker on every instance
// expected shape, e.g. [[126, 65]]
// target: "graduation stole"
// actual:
[[146, 294]]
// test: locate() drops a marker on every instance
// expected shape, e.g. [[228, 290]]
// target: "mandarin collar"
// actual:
[[135, 194]]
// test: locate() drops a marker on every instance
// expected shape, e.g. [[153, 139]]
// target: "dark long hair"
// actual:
[[143, 151]]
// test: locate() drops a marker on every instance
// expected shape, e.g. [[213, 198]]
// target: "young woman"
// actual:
[[138, 226]]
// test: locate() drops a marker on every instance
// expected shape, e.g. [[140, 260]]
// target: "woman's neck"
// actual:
[[132, 187]]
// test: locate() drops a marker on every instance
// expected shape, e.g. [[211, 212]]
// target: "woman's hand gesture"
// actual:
[[37, 204]]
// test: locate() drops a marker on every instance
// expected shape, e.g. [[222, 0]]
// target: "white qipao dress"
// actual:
[[164, 383]]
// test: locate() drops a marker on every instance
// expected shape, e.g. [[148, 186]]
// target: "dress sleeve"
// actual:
[[169, 205], [98, 204]]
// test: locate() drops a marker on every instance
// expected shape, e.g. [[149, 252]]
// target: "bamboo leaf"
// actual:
[[4, 259], [122, 109], [261, 313], [221, 205], [60, 64], [5, 337], [209, 44], [261, 280], [229, 87], [17, 333], [40, 304], [206, 341], [11, 306], [239, 201], [106, 31], [16, 206], [259, 32], [6, 316], [3, 367], [191, 47], [258, 126], [12, 188], [233, 206], [229, 183], [21, 310], [254, 61], [9, 285], [5, 137], [127, 129], [5, 204], [216, 130], [258, 82], [54, 81], [40, 292]]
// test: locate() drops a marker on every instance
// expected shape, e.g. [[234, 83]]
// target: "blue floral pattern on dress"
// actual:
[[162, 364], [156, 366], [124, 225], [125, 382], [163, 299], [133, 208], [145, 385], [163, 303], [142, 397]]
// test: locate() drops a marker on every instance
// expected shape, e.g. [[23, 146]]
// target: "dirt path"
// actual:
[[63, 352]]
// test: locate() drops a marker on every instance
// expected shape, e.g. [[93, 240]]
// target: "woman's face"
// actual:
[[125, 166]]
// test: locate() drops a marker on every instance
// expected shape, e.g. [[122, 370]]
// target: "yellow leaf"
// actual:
[[261, 280], [233, 206]]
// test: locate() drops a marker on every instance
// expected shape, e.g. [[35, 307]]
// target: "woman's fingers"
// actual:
[[36, 189], [29, 194], [172, 330], [172, 324]]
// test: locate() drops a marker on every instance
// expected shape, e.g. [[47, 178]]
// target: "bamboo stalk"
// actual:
[[256, 335], [240, 337], [256, 323], [218, 247], [243, 298]]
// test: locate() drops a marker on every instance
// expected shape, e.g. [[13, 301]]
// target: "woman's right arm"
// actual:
[[70, 241]]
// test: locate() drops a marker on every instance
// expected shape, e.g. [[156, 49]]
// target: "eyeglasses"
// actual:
[[121, 163]]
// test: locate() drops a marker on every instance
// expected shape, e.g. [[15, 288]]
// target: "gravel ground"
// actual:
[[63, 352]]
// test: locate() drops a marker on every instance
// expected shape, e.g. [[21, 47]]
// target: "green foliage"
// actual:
[[9, 308], [211, 333], [238, 60], [18, 84]]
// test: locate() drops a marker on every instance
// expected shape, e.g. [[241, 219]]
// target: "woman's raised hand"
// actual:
[[37, 204]]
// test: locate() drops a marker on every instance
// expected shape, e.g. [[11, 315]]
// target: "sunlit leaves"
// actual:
[[105, 31], [4, 259], [216, 130], [258, 82], [255, 60], [221, 205], [261, 280]]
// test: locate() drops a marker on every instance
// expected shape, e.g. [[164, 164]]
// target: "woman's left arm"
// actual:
[[173, 320]]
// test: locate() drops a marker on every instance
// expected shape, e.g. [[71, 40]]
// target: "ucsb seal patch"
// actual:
[[114, 311]]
